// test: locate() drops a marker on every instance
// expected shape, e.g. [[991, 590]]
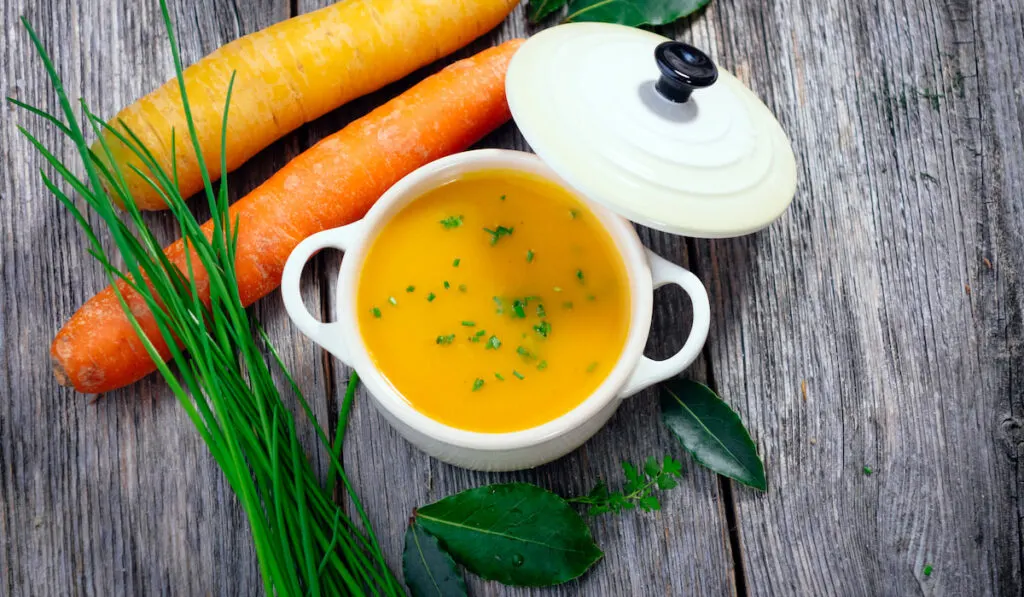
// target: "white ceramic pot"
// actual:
[[495, 451]]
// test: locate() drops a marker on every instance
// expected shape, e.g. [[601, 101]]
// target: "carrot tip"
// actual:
[[58, 372]]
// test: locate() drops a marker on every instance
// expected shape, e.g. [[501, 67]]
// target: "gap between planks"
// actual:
[[724, 484]]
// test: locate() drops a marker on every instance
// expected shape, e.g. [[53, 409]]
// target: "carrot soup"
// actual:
[[494, 303]]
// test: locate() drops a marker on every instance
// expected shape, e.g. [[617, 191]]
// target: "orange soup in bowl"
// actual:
[[494, 303]]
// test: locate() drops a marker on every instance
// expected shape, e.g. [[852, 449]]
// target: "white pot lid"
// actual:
[[619, 125]]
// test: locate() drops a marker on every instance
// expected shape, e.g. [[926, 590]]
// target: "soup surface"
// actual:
[[494, 303]]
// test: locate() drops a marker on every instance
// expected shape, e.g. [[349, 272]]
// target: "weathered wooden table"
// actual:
[[878, 323]]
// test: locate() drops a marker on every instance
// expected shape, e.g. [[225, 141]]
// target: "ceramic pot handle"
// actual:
[[328, 335], [649, 372]]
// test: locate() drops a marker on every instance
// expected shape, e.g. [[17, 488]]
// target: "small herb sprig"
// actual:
[[498, 232], [519, 308], [451, 222], [641, 484]]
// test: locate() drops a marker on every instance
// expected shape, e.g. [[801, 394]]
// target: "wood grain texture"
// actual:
[[890, 291]]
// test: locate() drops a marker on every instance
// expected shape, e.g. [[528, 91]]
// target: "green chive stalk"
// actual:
[[304, 541]]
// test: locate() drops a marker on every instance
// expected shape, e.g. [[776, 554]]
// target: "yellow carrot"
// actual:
[[291, 73]]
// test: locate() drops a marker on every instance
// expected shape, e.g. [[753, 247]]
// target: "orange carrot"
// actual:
[[291, 73], [332, 184]]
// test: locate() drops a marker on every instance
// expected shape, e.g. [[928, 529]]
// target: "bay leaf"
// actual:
[[429, 571], [514, 533], [633, 12], [711, 431], [542, 8]]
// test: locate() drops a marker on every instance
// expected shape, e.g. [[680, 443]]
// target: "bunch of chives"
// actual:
[[304, 541]]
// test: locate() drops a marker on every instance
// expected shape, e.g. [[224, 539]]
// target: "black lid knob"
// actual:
[[683, 69]]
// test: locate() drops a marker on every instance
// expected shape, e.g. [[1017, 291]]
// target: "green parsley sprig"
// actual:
[[499, 232], [641, 483], [451, 222]]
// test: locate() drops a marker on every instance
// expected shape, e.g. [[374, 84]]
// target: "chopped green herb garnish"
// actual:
[[573, 213], [591, 367], [376, 312], [579, 275], [493, 343], [447, 285], [480, 333], [502, 197], [591, 297], [452, 222], [567, 305], [392, 300], [927, 570], [518, 374], [868, 471], [469, 324], [525, 352], [446, 339], [541, 312], [529, 256], [499, 232], [499, 376], [462, 288], [543, 328], [477, 384], [542, 365], [501, 306], [456, 262], [410, 288], [519, 308], [431, 297]]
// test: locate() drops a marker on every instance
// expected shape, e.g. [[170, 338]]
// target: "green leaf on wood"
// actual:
[[428, 569], [633, 12], [649, 503], [711, 431], [651, 467], [514, 533], [542, 8]]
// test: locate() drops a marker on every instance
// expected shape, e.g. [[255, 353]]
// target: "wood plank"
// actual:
[[891, 289], [119, 496], [683, 549]]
